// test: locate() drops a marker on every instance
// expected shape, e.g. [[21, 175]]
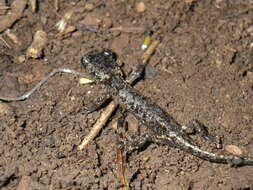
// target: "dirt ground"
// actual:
[[203, 70]]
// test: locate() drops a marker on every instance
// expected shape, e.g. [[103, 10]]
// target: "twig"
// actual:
[[98, 125], [122, 169], [30, 92], [148, 53], [129, 29]]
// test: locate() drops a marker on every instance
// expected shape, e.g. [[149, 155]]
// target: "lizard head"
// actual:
[[100, 65]]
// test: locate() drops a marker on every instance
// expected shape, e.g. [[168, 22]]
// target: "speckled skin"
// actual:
[[102, 67]]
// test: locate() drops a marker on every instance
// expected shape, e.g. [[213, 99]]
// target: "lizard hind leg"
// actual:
[[135, 143], [195, 127]]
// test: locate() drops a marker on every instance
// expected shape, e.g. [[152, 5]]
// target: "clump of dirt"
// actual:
[[204, 71]]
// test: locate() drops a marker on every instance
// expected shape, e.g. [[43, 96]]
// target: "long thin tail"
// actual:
[[234, 161]]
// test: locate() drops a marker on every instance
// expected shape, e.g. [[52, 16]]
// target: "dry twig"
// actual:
[[122, 170], [148, 53], [129, 29], [98, 125]]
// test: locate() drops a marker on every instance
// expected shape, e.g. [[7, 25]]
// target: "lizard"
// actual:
[[102, 67]]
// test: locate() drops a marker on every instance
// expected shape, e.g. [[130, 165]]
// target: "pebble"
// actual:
[[140, 7], [233, 150]]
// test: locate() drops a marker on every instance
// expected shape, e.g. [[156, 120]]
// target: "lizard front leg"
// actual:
[[100, 101]]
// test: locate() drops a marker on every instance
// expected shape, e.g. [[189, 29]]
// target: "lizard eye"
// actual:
[[110, 54]]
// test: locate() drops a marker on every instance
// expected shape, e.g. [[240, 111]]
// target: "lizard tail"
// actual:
[[234, 161]]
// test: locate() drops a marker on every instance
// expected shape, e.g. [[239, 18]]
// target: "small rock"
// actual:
[[140, 7], [21, 59], [39, 42], [233, 150]]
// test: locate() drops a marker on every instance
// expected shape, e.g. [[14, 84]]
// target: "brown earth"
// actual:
[[204, 71]]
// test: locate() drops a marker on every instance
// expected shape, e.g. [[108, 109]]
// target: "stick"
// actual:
[[122, 170], [98, 125], [146, 56]]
